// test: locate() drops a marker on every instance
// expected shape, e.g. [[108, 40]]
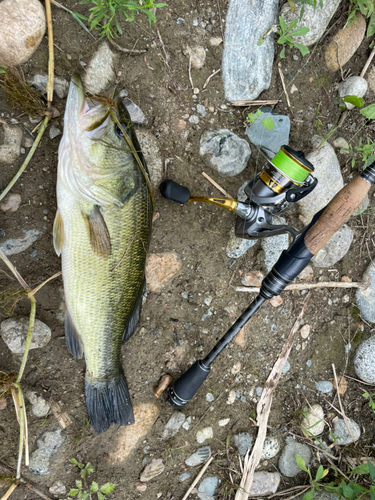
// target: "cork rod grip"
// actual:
[[340, 208]]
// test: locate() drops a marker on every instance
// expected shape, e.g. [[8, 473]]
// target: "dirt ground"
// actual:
[[172, 333]]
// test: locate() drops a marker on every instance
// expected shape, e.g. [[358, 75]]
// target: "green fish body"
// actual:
[[102, 230]]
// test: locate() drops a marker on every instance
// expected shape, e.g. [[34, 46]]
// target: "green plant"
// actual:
[[104, 14], [83, 494], [371, 401], [313, 3], [318, 122], [365, 7], [286, 36], [347, 487], [267, 123], [361, 152]]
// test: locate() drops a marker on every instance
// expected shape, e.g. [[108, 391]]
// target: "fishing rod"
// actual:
[[291, 262]]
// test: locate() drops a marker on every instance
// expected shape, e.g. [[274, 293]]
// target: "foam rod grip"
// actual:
[[336, 213], [175, 192]]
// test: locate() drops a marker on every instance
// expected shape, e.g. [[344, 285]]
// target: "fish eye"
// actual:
[[118, 131]]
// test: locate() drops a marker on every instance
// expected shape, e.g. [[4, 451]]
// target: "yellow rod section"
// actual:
[[227, 203]]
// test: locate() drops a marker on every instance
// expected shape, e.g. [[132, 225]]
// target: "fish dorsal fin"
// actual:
[[72, 337], [133, 322], [100, 239], [58, 233]]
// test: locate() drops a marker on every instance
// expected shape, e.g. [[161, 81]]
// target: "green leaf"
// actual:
[[347, 490], [94, 487], [299, 32], [360, 469], [79, 484], [292, 25], [356, 101], [85, 495], [301, 463], [309, 495], [282, 53], [251, 118], [107, 488], [302, 48], [100, 495], [258, 113], [268, 123], [319, 473], [371, 469], [371, 25], [281, 40], [73, 461], [73, 493], [369, 112], [282, 24], [89, 468]]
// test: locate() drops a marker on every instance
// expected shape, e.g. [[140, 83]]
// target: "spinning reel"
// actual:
[[284, 180]]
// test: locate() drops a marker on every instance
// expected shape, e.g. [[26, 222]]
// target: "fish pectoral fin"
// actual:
[[72, 337], [100, 239], [133, 322], [58, 233]]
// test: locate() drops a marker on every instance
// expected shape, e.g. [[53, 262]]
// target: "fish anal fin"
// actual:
[[58, 233], [100, 239], [72, 337], [133, 323]]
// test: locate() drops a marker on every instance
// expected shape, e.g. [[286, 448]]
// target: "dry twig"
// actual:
[[128, 51], [308, 286], [341, 408], [190, 78], [267, 102], [263, 409], [283, 82], [202, 471], [209, 78], [217, 185]]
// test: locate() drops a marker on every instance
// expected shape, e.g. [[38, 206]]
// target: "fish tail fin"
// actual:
[[108, 402]]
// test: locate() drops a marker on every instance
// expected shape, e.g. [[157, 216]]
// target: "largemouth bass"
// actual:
[[102, 230]]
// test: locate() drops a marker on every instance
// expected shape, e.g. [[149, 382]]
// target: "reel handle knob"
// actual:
[[175, 192]]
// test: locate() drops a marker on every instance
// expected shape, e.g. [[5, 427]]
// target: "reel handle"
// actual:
[[170, 190]]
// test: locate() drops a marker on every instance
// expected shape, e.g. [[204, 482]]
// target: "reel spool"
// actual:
[[284, 180]]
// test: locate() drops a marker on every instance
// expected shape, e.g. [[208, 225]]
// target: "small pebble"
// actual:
[[305, 331], [231, 397], [141, 486], [206, 433], [180, 20], [209, 397], [224, 422], [236, 368], [324, 386], [184, 476], [194, 119]]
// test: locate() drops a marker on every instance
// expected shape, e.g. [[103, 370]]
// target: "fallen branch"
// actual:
[[202, 471], [263, 410], [209, 78], [128, 51], [362, 285], [283, 83], [227, 195], [269, 102]]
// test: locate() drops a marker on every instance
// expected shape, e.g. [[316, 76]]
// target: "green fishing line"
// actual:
[[289, 167]]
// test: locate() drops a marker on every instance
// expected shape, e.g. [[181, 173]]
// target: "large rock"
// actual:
[[228, 153], [60, 85], [46, 447], [99, 72], [10, 149], [269, 141], [12, 246], [287, 462], [264, 483], [328, 173], [247, 66], [199, 456], [364, 361], [22, 27], [274, 245], [365, 299], [316, 19], [151, 152], [14, 332], [173, 425], [160, 269], [335, 249], [345, 43], [354, 85]]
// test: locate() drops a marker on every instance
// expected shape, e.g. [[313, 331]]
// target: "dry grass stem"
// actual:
[[202, 471], [128, 51], [267, 102], [341, 408], [33, 292], [368, 62], [209, 78], [51, 59], [20, 94], [283, 82], [217, 186], [308, 286], [190, 78]]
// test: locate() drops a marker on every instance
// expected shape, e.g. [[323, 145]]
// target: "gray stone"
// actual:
[[194, 119], [199, 456], [10, 149], [341, 434], [153, 469], [173, 425], [14, 332], [287, 462], [60, 85], [28, 142], [354, 85], [151, 152], [228, 153], [321, 495], [46, 447], [201, 110], [206, 433], [243, 442], [209, 397], [341, 143], [197, 56], [328, 173], [11, 203], [365, 299], [270, 141], [264, 483], [58, 489], [54, 132], [273, 246], [40, 407], [286, 367], [259, 391], [271, 448], [12, 246], [313, 421], [316, 19], [335, 249], [324, 386], [135, 112], [364, 361], [207, 488], [184, 476], [236, 247], [99, 72], [247, 66]]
